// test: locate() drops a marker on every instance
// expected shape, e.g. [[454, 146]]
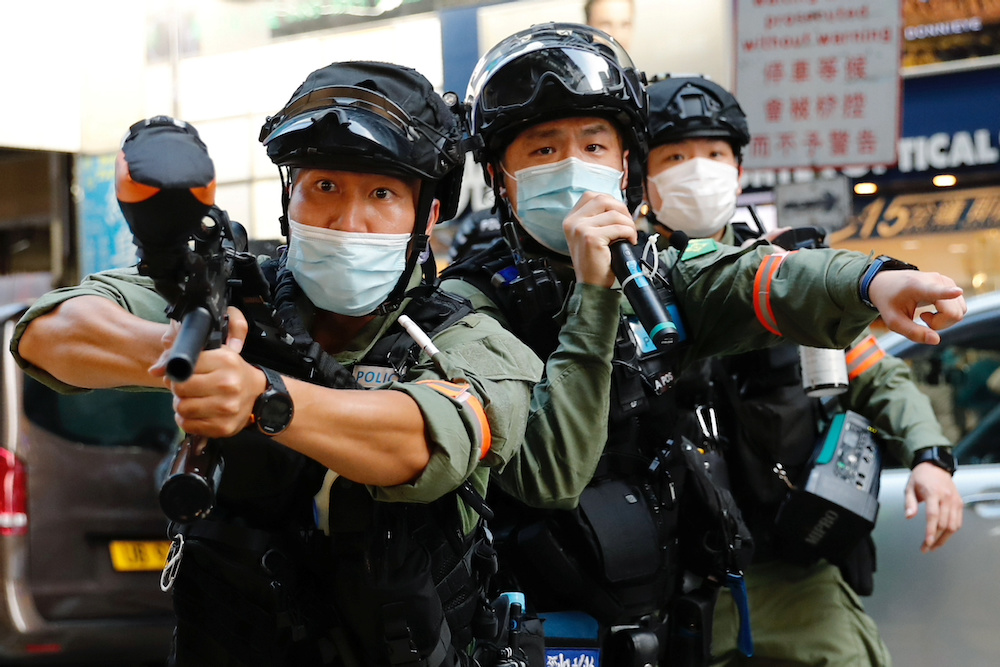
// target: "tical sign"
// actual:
[[819, 81]]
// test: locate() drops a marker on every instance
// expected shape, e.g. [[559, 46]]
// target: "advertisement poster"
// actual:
[[949, 31], [819, 82], [105, 241]]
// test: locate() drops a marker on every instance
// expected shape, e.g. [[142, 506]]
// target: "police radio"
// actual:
[[535, 286], [836, 502]]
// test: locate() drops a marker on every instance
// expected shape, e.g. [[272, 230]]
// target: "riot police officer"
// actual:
[[370, 159], [697, 134], [559, 111]]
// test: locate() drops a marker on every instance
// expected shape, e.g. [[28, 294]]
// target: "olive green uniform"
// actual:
[[815, 300], [808, 615], [500, 370]]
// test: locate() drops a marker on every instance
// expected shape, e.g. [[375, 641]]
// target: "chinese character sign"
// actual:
[[819, 81]]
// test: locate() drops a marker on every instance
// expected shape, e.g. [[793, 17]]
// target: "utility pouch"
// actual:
[[395, 611], [858, 566], [690, 628], [610, 557], [617, 518], [245, 594], [715, 541], [779, 425]]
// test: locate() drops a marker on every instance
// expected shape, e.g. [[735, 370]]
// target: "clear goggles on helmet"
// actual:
[[509, 74], [359, 120], [303, 112]]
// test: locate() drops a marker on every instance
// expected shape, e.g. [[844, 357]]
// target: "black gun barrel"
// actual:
[[191, 340], [188, 493]]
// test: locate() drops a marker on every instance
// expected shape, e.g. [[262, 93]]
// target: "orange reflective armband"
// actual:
[[863, 356], [762, 290], [460, 392]]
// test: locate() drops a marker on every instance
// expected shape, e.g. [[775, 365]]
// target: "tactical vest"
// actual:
[[393, 584], [617, 555]]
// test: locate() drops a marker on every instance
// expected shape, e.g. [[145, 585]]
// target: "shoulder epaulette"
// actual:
[[699, 247]]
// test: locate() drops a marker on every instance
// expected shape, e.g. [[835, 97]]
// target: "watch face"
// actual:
[[273, 412]]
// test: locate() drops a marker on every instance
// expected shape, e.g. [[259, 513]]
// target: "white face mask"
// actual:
[[547, 193], [698, 196], [349, 273]]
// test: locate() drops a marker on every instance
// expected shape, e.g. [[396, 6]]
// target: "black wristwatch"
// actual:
[[273, 410], [939, 456], [881, 263]]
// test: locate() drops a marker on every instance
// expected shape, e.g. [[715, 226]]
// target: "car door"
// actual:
[[941, 608], [81, 531]]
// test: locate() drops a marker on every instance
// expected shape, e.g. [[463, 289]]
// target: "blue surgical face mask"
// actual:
[[547, 193], [349, 273]]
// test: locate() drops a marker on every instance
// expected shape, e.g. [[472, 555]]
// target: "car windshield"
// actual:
[[105, 417], [962, 378]]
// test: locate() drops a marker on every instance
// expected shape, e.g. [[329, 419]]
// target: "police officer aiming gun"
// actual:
[[370, 159]]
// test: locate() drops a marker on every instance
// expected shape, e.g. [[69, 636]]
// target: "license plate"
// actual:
[[134, 556]]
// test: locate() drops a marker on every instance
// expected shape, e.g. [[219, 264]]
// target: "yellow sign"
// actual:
[[945, 211], [134, 556]]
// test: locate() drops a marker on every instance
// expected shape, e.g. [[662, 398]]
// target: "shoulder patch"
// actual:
[[699, 247]]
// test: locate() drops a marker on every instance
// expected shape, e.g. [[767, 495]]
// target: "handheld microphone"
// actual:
[[642, 295]]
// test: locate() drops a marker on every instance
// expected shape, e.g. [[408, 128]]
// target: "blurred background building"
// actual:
[[78, 74]]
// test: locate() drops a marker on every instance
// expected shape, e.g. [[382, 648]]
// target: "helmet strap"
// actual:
[[286, 186], [418, 244]]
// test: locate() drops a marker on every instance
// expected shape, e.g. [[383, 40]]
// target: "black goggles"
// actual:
[[303, 112], [516, 80]]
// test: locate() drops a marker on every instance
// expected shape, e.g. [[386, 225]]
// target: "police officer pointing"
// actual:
[[697, 135]]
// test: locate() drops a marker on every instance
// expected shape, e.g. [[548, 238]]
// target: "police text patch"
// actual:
[[374, 376]]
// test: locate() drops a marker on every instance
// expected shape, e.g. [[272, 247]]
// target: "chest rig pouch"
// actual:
[[615, 555], [529, 290], [640, 371], [409, 585]]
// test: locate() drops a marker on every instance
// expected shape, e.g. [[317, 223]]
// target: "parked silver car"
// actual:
[[82, 537], [942, 608]]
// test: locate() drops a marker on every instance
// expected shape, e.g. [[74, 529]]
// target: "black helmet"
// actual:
[[379, 118], [371, 116], [693, 107], [551, 71]]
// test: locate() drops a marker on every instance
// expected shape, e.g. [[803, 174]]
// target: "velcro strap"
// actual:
[[863, 356], [460, 392]]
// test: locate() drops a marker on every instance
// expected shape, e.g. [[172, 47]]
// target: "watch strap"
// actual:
[[942, 457], [274, 380], [881, 263]]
